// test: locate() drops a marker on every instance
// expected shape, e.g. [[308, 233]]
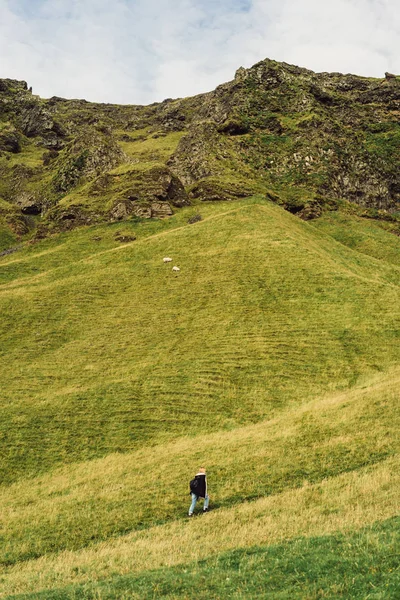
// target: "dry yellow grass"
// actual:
[[101, 499], [346, 502]]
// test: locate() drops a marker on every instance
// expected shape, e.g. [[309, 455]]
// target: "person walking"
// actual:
[[198, 489]]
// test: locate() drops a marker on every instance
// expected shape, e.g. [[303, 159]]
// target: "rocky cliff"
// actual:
[[310, 141]]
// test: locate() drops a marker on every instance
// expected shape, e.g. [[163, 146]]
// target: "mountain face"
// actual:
[[305, 140]]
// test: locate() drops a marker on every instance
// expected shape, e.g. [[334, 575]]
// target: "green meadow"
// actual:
[[363, 564], [271, 357]]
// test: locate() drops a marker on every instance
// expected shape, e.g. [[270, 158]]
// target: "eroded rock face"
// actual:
[[161, 184], [150, 195], [362, 187], [211, 190], [196, 155], [274, 127], [88, 156], [12, 86], [160, 210], [35, 120]]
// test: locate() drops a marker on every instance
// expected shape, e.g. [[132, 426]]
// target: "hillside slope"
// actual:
[[271, 356], [266, 312], [335, 566], [329, 466]]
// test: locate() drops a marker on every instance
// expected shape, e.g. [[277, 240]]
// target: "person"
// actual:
[[198, 489]]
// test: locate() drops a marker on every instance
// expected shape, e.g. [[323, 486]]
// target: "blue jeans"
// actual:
[[194, 500]]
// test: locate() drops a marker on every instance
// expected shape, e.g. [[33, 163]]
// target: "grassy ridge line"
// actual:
[[266, 311], [340, 504], [70, 247], [360, 235], [173, 230], [91, 255], [351, 566], [363, 235], [95, 501]]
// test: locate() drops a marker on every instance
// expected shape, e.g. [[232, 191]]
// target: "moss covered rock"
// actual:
[[275, 127]]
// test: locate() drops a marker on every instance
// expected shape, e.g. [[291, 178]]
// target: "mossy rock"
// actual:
[[10, 142], [149, 194], [29, 203], [87, 157], [234, 127]]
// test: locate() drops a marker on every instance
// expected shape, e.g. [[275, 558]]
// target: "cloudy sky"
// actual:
[[142, 51]]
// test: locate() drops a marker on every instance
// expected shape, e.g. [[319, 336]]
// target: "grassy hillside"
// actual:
[[312, 471], [272, 357], [366, 236], [265, 313], [358, 565], [324, 438]]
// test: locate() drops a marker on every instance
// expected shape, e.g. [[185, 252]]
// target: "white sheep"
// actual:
[[175, 269], [167, 260]]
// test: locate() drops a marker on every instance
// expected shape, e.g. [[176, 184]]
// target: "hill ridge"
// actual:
[[308, 141]]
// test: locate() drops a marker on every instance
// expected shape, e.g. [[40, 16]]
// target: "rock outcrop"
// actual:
[[149, 194], [307, 140]]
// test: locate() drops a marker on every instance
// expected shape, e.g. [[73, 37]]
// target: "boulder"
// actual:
[[9, 142], [29, 203], [212, 190], [128, 208], [124, 238], [142, 212], [120, 212], [194, 219], [160, 210]]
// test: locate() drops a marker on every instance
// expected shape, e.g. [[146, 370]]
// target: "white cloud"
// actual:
[[140, 51]]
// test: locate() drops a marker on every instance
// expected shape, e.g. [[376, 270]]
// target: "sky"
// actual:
[[143, 51]]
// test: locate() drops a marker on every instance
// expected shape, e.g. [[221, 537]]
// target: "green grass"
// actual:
[[359, 565], [152, 148], [7, 239], [272, 357], [31, 156], [271, 313], [385, 144], [363, 235], [326, 438]]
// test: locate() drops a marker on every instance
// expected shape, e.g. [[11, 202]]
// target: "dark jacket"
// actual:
[[201, 490]]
